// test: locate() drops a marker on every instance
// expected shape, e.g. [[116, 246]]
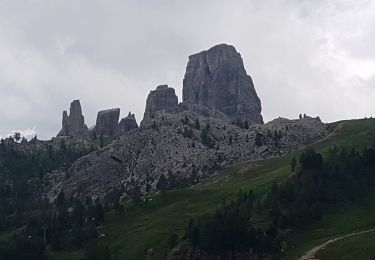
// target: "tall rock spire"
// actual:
[[74, 123], [107, 121], [217, 79], [162, 99]]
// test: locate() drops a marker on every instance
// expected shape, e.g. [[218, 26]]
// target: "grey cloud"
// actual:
[[111, 53]]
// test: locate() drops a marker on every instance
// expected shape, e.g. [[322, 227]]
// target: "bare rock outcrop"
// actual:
[[217, 79], [126, 124], [162, 99], [107, 122], [74, 123], [183, 146]]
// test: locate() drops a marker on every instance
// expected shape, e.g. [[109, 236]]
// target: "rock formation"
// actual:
[[174, 144], [74, 123], [107, 122], [126, 124], [162, 99], [186, 142], [217, 79]]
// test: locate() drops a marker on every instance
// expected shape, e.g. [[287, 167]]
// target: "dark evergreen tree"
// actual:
[[136, 194], [162, 184], [17, 136], [197, 124], [101, 140], [258, 139], [293, 164], [60, 200], [246, 125]]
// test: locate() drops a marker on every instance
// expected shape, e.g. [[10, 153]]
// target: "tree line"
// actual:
[[316, 185]]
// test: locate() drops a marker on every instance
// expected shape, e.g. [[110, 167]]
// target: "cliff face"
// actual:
[[217, 79], [74, 123], [107, 121], [162, 99]]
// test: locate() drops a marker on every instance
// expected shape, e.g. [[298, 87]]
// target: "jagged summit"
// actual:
[[218, 50], [74, 123], [107, 121], [126, 124], [215, 85], [217, 79], [189, 140], [163, 98]]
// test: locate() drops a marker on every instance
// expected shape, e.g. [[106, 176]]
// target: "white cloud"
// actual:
[[27, 133], [343, 65]]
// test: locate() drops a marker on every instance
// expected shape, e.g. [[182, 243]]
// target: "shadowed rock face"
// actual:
[[162, 99], [107, 121], [217, 79], [74, 124], [126, 124]]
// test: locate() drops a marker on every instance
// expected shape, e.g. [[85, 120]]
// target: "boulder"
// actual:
[[74, 123], [217, 79]]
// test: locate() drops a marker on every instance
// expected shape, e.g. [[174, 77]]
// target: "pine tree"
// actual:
[[101, 140], [293, 164], [17, 136], [136, 194], [60, 200], [258, 139], [197, 124], [162, 184]]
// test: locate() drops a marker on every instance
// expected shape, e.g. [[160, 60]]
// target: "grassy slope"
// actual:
[[351, 248], [150, 226], [351, 134], [131, 234], [340, 222]]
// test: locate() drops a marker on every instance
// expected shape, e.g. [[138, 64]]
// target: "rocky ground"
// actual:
[[185, 151]]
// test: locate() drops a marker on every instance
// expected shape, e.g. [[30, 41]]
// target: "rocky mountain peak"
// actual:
[[217, 79], [107, 121], [126, 124], [74, 123], [130, 116], [188, 141], [75, 109], [163, 98], [161, 87]]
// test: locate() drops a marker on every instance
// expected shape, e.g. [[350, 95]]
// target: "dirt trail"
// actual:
[[310, 255]]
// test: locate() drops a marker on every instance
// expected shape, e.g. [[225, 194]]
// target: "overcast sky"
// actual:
[[312, 56]]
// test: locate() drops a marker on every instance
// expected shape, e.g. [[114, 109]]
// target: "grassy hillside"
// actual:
[[346, 219], [130, 234], [339, 222], [351, 248]]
